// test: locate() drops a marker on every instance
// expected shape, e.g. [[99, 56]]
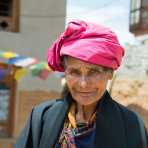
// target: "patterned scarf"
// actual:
[[72, 129]]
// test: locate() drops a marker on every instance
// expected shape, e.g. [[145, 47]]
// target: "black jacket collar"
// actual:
[[110, 130]]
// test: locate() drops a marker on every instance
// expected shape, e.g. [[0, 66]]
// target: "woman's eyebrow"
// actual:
[[73, 69], [89, 68], [96, 68]]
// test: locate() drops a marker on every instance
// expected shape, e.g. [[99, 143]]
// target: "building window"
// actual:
[[5, 7], [135, 12], [139, 17], [9, 15]]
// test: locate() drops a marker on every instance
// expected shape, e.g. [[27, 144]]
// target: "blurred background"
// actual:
[[27, 30]]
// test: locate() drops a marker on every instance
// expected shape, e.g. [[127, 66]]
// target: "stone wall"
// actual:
[[135, 61], [130, 86], [132, 93]]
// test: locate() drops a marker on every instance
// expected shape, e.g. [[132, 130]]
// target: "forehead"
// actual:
[[76, 63]]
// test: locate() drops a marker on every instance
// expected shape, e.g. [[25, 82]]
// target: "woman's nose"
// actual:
[[83, 82]]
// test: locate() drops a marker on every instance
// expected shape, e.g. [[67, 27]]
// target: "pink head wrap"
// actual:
[[89, 42]]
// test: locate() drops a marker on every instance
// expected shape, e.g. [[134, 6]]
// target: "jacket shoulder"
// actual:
[[30, 135], [46, 105], [132, 127], [39, 111], [38, 117], [128, 114]]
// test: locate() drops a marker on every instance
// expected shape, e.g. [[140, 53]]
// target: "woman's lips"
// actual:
[[86, 93]]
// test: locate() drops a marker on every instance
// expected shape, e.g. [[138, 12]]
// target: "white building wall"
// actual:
[[40, 24]]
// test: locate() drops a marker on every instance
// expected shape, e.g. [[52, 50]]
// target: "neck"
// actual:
[[85, 112]]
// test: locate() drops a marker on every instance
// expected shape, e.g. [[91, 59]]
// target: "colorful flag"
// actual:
[[20, 73], [8, 54], [40, 69], [22, 61], [44, 74], [36, 69]]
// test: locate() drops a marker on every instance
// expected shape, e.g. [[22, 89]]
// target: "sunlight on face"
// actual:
[[86, 82]]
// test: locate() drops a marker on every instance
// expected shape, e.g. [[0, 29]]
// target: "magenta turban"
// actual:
[[88, 42]]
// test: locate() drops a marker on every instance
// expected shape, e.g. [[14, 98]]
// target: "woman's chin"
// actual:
[[85, 100]]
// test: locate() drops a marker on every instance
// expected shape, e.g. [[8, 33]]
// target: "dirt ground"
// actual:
[[132, 93]]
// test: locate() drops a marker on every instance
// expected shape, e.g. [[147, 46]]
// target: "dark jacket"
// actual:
[[116, 126]]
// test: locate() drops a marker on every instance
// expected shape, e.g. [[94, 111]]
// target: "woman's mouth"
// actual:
[[85, 93]]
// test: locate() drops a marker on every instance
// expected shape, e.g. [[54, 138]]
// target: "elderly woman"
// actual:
[[87, 116]]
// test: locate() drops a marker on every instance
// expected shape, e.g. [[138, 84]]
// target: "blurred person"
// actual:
[[86, 116]]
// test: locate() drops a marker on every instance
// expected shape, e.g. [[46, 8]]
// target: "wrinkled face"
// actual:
[[86, 82]]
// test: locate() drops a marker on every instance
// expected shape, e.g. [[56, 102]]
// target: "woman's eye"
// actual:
[[74, 72], [94, 72]]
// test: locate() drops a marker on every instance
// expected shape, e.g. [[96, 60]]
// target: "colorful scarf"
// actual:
[[73, 129]]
